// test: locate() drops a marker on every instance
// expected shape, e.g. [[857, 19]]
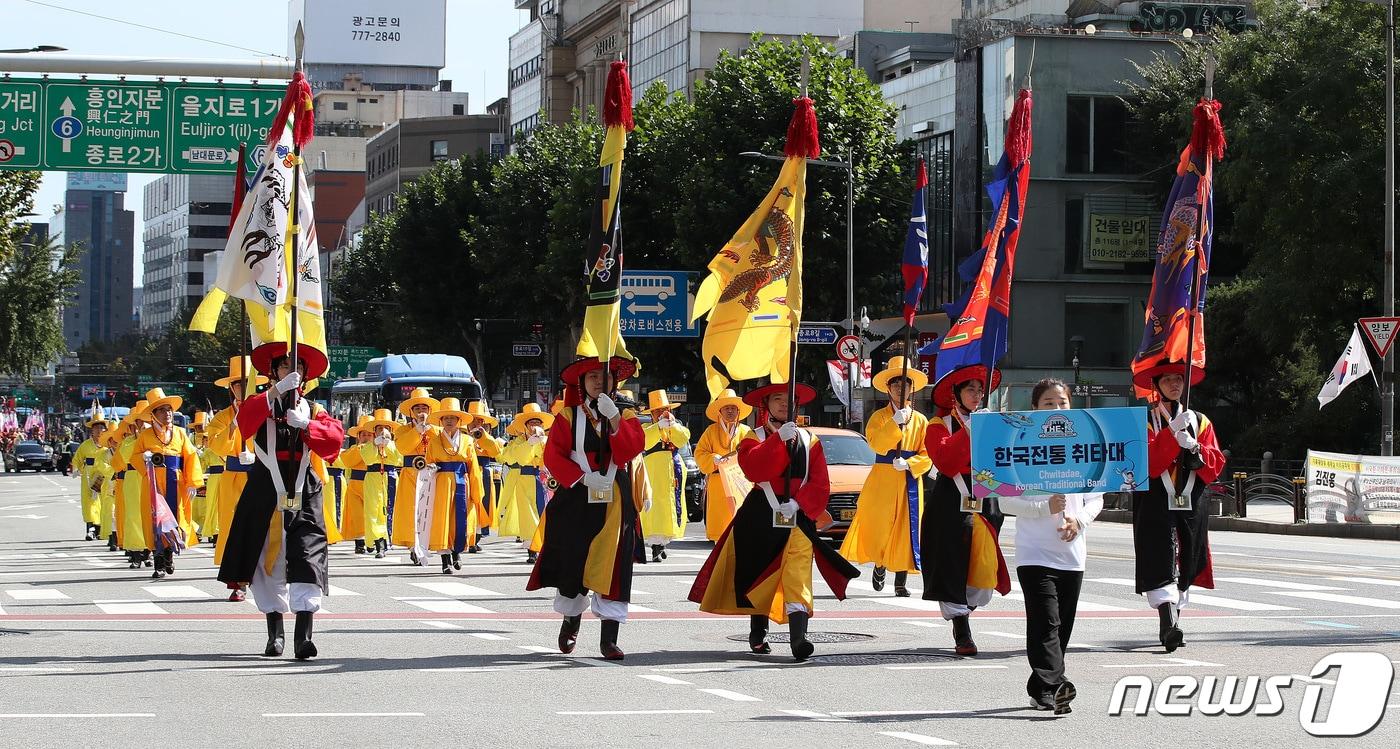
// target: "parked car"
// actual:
[[848, 462], [35, 456]]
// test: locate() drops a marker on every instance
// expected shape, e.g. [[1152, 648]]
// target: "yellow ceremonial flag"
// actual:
[[602, 316]]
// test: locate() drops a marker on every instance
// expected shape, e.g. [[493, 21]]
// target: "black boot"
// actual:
[[568, 633], [531, 557], [797, 635], [301, 638], [379, 549], [656, 551], [412, 557], [446, 564], [112, 542], [877, 581], [456, 561], [473, 549], [1169, 632], [608, 642], [88, 534], [276, 636], [360, 546], [962, 636], [901, 585], [169, 561], [758, 635], [146, 557], [133, 560]]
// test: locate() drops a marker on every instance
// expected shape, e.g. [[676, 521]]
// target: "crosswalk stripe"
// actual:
[[1379, 603], [1366, 580], [336, 590], [442, 625], [444, 606], [918, 604], [1204, 598], [487, 636], [1085, 603], [1275, 584], [37, 594], [175, 591], [456, 589], [129, 607]]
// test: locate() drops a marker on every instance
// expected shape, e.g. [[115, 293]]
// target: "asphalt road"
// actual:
[[94, 654]]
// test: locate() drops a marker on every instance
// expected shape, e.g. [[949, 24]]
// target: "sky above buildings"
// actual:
[[478, 34]]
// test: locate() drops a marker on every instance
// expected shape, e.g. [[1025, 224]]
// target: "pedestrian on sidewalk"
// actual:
[[1171, 524], [1050, 555]]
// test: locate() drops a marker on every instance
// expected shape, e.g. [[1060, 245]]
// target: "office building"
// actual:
[[94, 215]]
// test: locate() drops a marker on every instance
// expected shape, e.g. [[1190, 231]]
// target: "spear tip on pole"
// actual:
[[299, 41]]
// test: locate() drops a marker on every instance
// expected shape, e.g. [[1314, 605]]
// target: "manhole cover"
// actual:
[[812, 637], [880, 659]]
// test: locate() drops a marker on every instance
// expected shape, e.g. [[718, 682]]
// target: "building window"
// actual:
[[1098, 131], [340, 106], [459, 109], [1098, 331]]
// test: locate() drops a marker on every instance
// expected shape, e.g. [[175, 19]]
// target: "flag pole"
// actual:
[[240, 189], [295, 230], [1192, 311]]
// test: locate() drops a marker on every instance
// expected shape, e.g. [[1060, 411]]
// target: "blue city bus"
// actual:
[[389, 380]]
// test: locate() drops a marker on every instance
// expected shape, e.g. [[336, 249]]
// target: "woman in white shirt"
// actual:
[[1050, 554]]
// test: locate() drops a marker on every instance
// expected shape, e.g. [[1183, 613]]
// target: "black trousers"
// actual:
[[1052, 598]]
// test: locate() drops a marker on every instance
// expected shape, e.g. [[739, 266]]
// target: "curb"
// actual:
[[1245, 525]]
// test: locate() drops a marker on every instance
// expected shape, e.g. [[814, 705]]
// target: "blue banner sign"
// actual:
[[1059, 452]]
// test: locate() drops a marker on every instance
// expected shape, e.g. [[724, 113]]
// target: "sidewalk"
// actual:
[[1271, 517]]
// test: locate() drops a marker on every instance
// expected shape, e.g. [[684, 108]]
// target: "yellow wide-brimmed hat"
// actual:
[[240, 369], [200, 420], [96, 420], [532, 412], [141, 411], [362, 427], [383, 417], [156, 397], [658, 400], [450, 407], [727, 398], [478, 410], [419, 396], [895, 368]]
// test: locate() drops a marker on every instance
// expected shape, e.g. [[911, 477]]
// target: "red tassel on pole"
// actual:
[[1207, 134], [617, 100], [802, 130], [1018, 131], [921, 179], [298, 99]]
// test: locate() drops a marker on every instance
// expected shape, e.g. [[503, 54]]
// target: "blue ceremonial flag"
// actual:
[[915, 264], [978, 334]]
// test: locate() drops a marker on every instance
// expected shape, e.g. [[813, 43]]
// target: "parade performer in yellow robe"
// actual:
[[412, 440], [664, 519], [522, 494], [352, 507], [200, 436], [719, 444], [84, 460], [885, 530], [102, 468], [166, 453], [133, 528], [235, 451], [457, 488], [488, 450], [382, 462]]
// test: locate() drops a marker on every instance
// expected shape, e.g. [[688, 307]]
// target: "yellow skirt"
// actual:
[[136, 515], [719, 508], [879, 532], [352, 510], [518, 516], [90, 503], [107, 510], [230, 490], [790, 583], [405, 505], [375, 499]]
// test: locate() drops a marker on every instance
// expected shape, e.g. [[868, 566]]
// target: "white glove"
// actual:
[[787, 509], [299, 417], [900, 464], [901, 416], [787, 432], [646, 505], [287, 384], [597, 481], [381, 439], [147, 454], [1186, 441], [420, 426], [606, 408], [192, 492], [246, 458], [535, 439], [1181, 421], [666, 422]]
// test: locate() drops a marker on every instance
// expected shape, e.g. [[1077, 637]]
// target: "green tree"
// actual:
[[35, 281], [1299, 197]]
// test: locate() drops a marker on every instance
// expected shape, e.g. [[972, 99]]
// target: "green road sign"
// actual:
[[21, 137], [132, 126], [348, 361]]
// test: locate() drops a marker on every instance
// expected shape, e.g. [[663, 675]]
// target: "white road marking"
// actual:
[[444, 606], [129, 607], [728, 695], [344, 715], [34, 668], [1168, 663], [77, 715], [1205, 598], [487, 636], [538, 649], [641, 609], [1379, 603], [456, 589], [918, 604], [443, 625], [632, 712], [37, 594], [175, 591], [918, 738], [659, 679], [946, 667], [1274, 584], [930, 625], [1007, 635], [1365, 581], [336, 590]]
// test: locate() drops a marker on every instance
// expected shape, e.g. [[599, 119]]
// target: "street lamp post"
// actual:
[[1388, 364], [853, 369]]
